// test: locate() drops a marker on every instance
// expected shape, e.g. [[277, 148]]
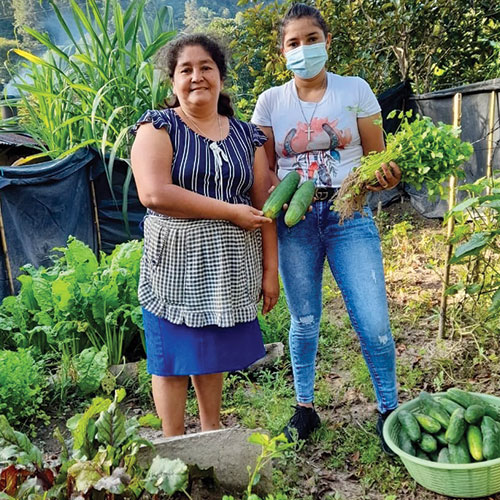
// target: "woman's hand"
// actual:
[[248, 217], [388, 178], [270, 290]]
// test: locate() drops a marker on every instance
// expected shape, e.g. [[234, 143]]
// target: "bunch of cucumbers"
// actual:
[[286, 192], [457, 428]]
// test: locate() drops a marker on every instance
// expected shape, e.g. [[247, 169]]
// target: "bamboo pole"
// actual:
[[491, 122], [6, 253], [457, 115], [96, 218]]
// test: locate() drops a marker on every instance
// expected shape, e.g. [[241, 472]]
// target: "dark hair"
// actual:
[[170, 55], [300, 10]]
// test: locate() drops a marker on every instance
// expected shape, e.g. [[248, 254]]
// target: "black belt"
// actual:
[[325, 194]]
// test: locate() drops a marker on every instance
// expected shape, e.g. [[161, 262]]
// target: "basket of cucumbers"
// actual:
[[449, 442]]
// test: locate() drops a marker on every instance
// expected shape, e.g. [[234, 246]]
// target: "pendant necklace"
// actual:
[[308, 123]]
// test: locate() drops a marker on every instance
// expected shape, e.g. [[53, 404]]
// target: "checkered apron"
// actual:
[[199, 271]]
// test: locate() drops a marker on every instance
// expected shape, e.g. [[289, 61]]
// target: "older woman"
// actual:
[[209, 253]]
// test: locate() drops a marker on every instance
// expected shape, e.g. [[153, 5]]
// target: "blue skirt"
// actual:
[[175, 350]]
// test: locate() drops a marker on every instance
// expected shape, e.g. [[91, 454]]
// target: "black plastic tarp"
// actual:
[[475, 129], [41, 206], [45, 203]]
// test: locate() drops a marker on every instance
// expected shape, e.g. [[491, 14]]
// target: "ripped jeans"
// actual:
[[355, 259]]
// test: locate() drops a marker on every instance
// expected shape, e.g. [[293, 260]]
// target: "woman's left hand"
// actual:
[[270, 290], [388, 178]]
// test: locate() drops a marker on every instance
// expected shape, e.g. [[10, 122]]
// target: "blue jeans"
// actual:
[[355, 259]]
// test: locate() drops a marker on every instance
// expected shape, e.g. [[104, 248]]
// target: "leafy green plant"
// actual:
[[22, 386], [427, 154], [102, 460], [91, 91], [78, 302], [477, 239], [270, 448]]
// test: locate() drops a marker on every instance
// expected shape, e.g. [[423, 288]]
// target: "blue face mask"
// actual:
[[307, 61]]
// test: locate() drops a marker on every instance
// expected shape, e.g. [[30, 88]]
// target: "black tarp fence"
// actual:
[[43, 204]]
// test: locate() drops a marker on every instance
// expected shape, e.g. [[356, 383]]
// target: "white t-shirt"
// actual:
[[328, 149]]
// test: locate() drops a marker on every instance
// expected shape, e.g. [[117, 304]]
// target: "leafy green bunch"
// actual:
[[77, 303], [22, 386], [426, 153]]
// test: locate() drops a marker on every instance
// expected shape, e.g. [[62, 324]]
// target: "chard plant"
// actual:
[[78, 303], [102, 462]]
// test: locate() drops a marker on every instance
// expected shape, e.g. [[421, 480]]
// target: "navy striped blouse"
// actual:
[[218, 169]]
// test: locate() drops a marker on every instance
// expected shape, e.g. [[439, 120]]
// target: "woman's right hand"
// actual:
[[248, 217]]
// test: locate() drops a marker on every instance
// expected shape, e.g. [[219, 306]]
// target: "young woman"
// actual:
[[209, 254], [320, 124]]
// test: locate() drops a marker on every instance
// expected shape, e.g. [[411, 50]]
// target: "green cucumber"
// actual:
[[441, 439], [428, 443], [463, 398], [467, 399], [475, 442], [456, 429], [444, 455], [281, 194], [405, 443], [459, 453], [427, 423], [410, 425], [421, 454], [301, 200], [490, 438], [474, 413], [432, 408], [448, 404]]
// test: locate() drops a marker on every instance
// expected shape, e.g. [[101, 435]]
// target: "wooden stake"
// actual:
[[457, 115], [6, 253], [489, 158], [96, 219]]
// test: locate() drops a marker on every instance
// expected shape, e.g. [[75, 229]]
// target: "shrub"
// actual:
[[22, 386]]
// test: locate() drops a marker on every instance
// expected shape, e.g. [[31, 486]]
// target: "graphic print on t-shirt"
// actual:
[[314, 148]]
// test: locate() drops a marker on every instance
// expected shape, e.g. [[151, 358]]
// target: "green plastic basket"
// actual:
[[474, 480]]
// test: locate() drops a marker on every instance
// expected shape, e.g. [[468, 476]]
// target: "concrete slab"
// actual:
[[227, 451]]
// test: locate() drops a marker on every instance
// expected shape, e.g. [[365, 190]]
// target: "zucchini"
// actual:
[[428, 443], [301, 200], [448, 404], [490, 438], [459, 453], [474, 413], [410, 425], [456, 429], [281, 194], [475, 442], [405, 443], [444, 455], [434, 409], [427, 423]]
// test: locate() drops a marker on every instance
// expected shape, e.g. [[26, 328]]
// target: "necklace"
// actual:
[[308, 122], [190, 121]]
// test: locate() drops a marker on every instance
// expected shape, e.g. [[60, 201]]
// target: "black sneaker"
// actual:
[[380, 427], [304, 421]]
